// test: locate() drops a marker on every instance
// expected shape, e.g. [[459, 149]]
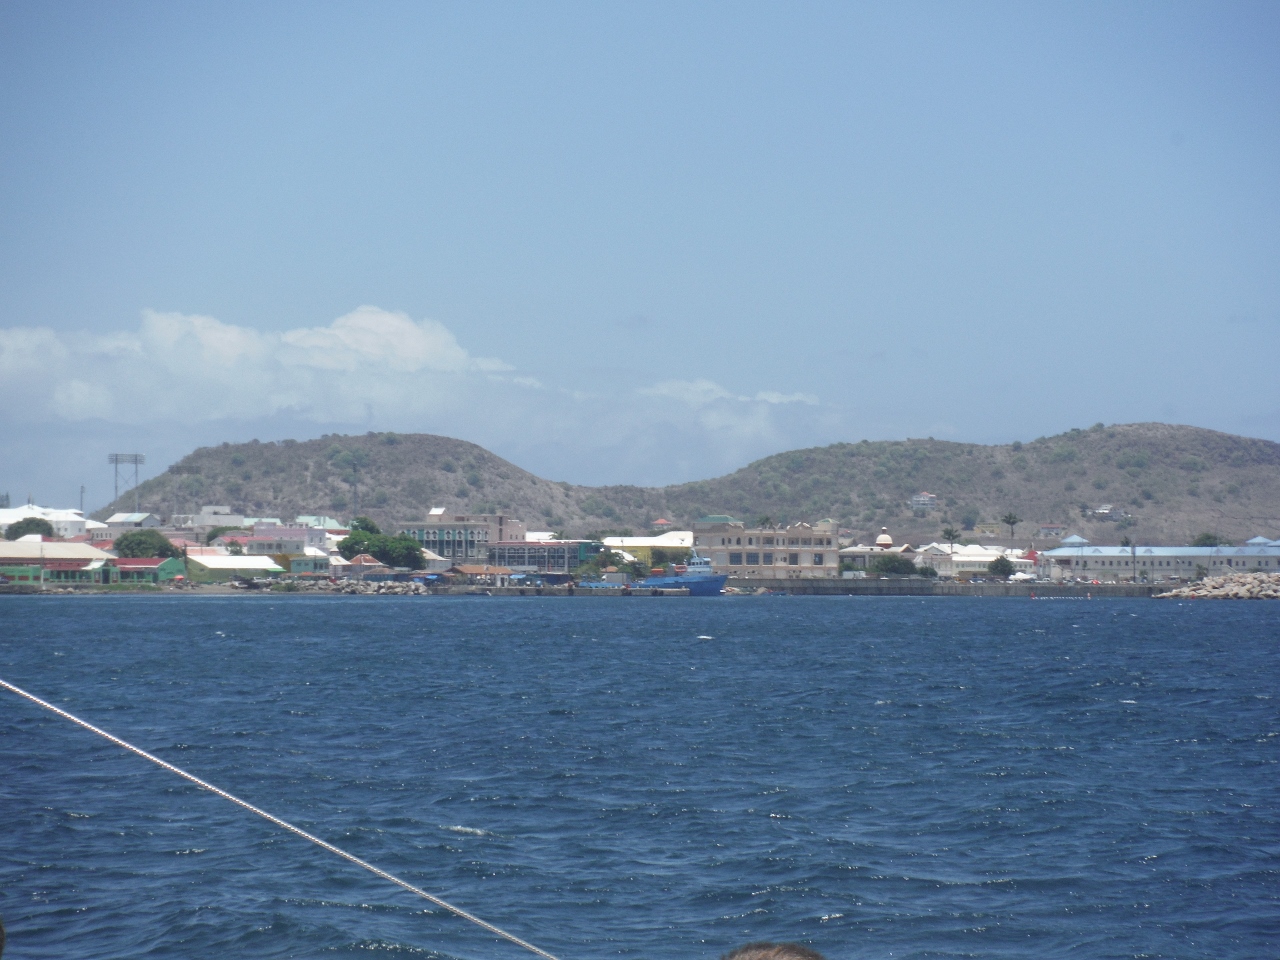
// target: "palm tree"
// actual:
[[951, 535], [1011, 520]]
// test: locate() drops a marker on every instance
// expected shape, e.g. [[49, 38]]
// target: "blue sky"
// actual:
[[629, 243]]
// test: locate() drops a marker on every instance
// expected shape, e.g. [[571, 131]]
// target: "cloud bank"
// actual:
[[179, 366], [378, 369]]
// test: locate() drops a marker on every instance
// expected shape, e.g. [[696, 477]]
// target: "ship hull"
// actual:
[[697, 586]]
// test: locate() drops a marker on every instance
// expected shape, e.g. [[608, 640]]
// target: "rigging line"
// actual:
[[457, 911]]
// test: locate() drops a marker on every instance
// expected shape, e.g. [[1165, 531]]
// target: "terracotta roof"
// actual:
[[477, 569]]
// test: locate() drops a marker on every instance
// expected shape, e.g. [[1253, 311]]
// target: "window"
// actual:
[[739, 542], [768, 559], [806, 541], [767, 541], [753, 559], [793, 559], [792, 542], [750, 541], [735, 559], [817, 559]]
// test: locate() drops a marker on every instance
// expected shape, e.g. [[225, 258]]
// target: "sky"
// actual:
[[629, 243]]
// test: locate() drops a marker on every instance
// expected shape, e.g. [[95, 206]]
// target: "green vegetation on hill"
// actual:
[[1165, 483]]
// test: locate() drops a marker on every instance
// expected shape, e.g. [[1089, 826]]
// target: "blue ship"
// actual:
[[698, 575]]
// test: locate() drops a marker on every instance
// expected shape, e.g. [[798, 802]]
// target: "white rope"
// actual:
[[458, 911]]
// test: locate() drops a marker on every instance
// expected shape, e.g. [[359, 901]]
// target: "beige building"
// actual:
[[463, 538], [862, 555], [798, 550]]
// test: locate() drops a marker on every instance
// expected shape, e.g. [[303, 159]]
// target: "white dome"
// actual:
[[884, 540]]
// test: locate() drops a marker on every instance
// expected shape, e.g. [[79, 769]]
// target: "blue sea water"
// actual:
[[877, 777]]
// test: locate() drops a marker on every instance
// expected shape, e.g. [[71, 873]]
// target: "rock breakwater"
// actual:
[[1233, 586]]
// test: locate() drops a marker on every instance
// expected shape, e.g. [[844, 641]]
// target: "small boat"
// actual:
[[697, 575]]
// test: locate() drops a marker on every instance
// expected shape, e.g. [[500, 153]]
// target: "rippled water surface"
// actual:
[[883, 777]]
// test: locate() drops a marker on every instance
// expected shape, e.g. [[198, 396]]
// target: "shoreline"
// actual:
[[741, 588]]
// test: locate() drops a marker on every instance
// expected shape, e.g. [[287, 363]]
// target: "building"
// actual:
[[272, 539], [49, 561], [209, 517], [481, 574], [220, 568], [1078, 559], [119, 523], [66, 523], [463, 537], [322, 523], [797, 550], [924, 501], [862, 556], [675, 543], [1052, 531], [965, 562], [555, 557], [149, 569], [313, 561], [363, 563]]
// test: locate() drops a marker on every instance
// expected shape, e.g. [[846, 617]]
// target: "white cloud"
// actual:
[[183, 366], [700, 393], [772, 396], [696, 393]]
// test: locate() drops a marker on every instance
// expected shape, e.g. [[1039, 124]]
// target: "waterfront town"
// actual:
[[61, 547]]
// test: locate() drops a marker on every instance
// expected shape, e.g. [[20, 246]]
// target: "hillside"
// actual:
[[1173, 481]]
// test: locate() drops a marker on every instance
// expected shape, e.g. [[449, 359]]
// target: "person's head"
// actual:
[[772, 951]]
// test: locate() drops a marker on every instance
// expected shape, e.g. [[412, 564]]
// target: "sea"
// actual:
[[643, 777]]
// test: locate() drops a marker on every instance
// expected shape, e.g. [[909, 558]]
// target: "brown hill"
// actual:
[[1166, 484]]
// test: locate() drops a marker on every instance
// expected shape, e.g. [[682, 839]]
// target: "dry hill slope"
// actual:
[[1173, 481]]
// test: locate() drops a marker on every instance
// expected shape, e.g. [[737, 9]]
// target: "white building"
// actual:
[[119, 523], [66, 523], [965, 562], [924, 500], [1078, 559]]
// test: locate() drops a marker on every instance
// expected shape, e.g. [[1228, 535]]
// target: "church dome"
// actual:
[[884, 540]]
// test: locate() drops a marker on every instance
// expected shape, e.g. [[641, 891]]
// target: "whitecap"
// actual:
[[470, 831]]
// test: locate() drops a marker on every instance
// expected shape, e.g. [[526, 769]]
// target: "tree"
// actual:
[[144, 543], [951, 535], [1202, 540], [398, 551], [216, 532], [893, 564], [1000, 567], [366, 524], [1011, 520], [27, 526]]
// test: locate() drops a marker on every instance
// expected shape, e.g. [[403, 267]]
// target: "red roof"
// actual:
[[364, 560]]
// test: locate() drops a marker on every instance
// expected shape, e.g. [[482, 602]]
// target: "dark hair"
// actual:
[[772, 951]]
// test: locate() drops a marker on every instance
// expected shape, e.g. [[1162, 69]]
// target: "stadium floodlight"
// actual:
[[117, 460]]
